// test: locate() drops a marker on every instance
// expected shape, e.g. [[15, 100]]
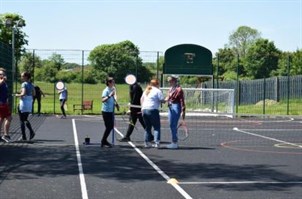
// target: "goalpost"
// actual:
[[207, 100]]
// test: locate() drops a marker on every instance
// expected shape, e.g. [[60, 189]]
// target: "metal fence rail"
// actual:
[[247, 92], [274, 88]]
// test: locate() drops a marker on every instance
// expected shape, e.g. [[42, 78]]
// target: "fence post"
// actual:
[[157, 66], [237, 93], [264, 94], [54, 98], [277, 89], [288, 84], [82, 95], [217, 80]]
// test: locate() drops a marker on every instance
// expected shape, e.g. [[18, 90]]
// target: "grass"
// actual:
[[50, 103], [278, 108]]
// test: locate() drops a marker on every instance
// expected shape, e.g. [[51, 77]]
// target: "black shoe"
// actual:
[[106, 144], [124, 139], [32, 135], [22, 138]]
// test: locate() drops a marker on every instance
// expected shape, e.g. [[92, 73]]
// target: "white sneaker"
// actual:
[[5, 138], [172, 146], [156, 145], [147, 145]]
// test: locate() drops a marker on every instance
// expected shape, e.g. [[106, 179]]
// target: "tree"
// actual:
[[225, 56], [47, 72], [29, 62], [228, 63], [241, 39], [58, 60], [117, 60], [261, 59], [6, 32], [296, 63]]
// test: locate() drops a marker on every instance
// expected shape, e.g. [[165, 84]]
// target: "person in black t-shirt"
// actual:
[[39, 94], [136, 92]]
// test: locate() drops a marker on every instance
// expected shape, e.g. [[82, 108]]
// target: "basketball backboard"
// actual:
[[188, 59]]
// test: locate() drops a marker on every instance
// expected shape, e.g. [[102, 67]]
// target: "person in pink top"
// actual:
[[177, 107]]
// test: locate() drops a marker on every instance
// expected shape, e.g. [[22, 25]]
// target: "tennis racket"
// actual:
[[130, 79], [128, 120], [182, 131], [60, 85]]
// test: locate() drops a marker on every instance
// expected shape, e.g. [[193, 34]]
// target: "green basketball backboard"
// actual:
[[188, 59]]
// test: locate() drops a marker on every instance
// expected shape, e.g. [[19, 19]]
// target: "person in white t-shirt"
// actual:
[[63, 96], [151, 101]]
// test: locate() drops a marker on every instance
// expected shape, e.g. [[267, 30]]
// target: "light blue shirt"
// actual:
[[25, 104], [108, 106]]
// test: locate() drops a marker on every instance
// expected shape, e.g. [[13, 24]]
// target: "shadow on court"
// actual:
[[48, 167]]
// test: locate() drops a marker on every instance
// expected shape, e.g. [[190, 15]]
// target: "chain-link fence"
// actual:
[[266, 93], [261, 96], [79, 91], [6, 63]]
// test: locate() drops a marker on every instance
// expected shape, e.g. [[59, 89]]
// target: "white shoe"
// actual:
[[147, 145], [6, 138], [172, 146], [156, 145]]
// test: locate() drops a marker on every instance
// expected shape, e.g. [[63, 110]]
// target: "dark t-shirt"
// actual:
[[38, 92], [3, 93], [136, 92]]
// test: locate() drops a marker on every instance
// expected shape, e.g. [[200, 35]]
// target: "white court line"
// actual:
[[157, 169], [243, 182], [268, 138], [78, 154], [275, 130]]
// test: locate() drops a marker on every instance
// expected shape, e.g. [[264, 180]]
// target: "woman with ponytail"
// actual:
[[151, 101]]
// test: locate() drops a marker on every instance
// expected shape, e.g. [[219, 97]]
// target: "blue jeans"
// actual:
[[174, 115], [152, 119]]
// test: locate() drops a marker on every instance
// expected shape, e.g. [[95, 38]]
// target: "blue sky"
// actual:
[[154, 25]]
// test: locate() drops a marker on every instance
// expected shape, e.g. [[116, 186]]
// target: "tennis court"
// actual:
[[223, 157]]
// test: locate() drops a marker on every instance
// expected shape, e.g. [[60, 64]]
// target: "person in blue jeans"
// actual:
[[151, 101], [176, 104]]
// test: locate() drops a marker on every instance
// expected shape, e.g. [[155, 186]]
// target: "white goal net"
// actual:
[[218, 101]]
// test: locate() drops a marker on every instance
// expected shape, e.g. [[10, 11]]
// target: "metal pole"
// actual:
[[136, 65], [82, 100], [237, 93], [288, 84], [217, 72], [217, 80], [13, 68], [157, 66], [33, 67], [264, 95], [54, 98]]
